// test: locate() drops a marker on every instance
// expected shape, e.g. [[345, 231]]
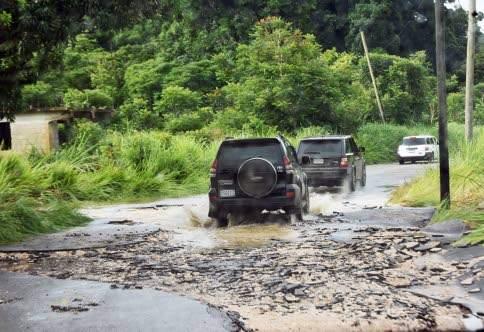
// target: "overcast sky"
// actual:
[[479, 7]]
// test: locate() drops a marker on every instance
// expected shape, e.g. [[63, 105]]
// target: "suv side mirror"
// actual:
[[305, 160], [362, 149]]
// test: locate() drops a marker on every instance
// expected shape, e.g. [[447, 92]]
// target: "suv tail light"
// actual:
[[344, 163], [213, 168], [290, 194], [287, 163]]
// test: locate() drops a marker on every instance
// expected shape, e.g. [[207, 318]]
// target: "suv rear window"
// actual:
[[414, 141], [233, 153], [324, 147]]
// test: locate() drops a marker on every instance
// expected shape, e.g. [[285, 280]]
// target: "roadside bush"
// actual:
[[27, 204], [78, 99], [135, 113], [176, 100], [39, 94], [190, 121]]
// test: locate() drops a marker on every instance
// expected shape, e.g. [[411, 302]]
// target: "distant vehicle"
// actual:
[[252, 175], [414, 148], [332, 161]]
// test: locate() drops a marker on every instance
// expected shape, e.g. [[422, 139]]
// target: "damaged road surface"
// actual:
[[353, 264], [45, 304]]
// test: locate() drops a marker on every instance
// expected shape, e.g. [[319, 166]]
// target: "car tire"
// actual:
[[298, 211], [401, 161], [222, 221], [350, 181], [363, 177], [306, 199], [413, 161], [299, 216]]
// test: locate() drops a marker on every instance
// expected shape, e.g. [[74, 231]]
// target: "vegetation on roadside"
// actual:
[[40, 192], [467, 188]]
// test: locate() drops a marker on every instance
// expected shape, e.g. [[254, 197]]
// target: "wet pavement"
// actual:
[[46, 304], [354, 263]]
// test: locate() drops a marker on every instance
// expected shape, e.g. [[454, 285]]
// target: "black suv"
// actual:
[[256, 174], [332, 161]]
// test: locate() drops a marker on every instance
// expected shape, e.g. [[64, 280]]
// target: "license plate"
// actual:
[[227, 193], [318, 161]]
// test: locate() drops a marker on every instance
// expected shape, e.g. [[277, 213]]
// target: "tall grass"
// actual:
[[466, 184], [39, 193]]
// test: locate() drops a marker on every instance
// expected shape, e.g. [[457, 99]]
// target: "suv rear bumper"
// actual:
[[325, 176], [222, 206], [419, 156]]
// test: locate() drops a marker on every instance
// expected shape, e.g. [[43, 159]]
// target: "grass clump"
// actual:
[[466, 184], [40, 192]]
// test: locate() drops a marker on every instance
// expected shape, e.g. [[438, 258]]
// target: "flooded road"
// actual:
[[354, 263]]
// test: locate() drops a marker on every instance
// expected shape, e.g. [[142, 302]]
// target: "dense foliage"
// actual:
[[278, 78], [32, 33], [232, 59]]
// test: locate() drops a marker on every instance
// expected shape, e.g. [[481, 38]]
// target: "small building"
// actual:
[[39, 128]]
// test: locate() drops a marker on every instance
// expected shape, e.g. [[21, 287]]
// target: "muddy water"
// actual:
[[189, 225]]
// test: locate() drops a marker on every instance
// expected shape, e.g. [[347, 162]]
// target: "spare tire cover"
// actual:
[[257, 177]]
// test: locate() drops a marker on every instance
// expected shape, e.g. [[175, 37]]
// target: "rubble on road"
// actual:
[[364, 280]]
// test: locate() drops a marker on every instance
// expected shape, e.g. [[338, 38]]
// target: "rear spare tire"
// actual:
[[257, 177]]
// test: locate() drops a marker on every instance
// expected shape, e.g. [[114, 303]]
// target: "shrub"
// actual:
[[175, 100], [97, 98], [190, 121], [135, 113], [78, 99], [40, 94]]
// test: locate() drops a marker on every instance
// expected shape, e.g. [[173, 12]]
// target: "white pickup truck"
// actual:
[[414, 148]]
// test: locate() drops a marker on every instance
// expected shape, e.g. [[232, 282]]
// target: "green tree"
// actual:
[[406, 85], [145, 79], [40, 94], [33, 30], [281, 77], [176, 100]]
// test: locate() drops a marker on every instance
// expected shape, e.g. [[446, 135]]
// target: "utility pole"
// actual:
[[442, 102], [365, 47], [471, 53]]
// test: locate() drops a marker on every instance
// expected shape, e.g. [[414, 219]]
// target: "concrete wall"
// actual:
[[37, 131], [26, 136]]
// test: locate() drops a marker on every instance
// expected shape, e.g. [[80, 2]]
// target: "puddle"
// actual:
[[254, 235], [242, 232]]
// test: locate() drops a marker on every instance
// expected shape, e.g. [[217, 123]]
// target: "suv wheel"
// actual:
[[306, 201], [299, 214], [350, 181], [401, 161], [222, 221], [363, 177]]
